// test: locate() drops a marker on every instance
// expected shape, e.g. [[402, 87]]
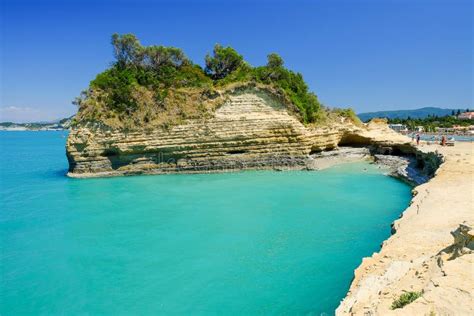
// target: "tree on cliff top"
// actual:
[[127, 48], [274, 61], [152, 73], [129, 51], [224, 61], [158, 56]]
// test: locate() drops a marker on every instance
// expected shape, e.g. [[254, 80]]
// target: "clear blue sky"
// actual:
[[370, 55]]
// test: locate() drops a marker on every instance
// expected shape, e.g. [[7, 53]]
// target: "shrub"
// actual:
[[349, 114], [127, 48], [274, 61], [161, 69], [405, 299], [224, 61]]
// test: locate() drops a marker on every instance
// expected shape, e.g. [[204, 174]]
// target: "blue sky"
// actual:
[[369, 55]]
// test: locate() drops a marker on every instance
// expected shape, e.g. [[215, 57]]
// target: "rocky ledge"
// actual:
[[430, 256], [251, 129]]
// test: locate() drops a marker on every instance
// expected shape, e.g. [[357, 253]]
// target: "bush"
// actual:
[[405, 299], [224, 61], [160, 69], [349, 114]]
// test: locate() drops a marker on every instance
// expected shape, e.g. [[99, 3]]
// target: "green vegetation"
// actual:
[[348, 114], [431, 122], [224, 61], [160, 85], [405, 299]]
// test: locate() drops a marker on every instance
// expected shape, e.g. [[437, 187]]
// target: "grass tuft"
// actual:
[[405, 299]]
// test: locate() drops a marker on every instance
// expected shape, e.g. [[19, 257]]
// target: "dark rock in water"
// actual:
[[404, 167]]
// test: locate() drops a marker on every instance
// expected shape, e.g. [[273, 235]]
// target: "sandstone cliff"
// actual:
[[251, 129]]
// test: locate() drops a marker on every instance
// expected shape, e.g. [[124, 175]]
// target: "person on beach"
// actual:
[[443, 140], [417, 139]]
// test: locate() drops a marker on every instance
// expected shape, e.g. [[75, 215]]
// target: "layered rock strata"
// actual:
[[252, 129]]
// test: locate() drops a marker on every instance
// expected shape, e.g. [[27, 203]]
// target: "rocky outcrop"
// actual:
[[422, 256], [326, 159], [252, 129], [463, 241]]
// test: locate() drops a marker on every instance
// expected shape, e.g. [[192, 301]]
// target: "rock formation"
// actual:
[[254, 129], [251, 129], [422, 256]]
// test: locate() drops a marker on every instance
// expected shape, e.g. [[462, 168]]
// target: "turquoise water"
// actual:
[[237, 243]]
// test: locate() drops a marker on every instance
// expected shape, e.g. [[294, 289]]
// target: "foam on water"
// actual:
[[258, 242]]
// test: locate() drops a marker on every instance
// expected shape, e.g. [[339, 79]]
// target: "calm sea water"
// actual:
[[238, 243]]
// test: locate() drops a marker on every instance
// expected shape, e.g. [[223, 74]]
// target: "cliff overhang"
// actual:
[[250, 127]]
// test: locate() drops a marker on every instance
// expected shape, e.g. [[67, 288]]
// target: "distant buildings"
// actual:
[[398, 128], [466, 116], [456, 129], [444, 130]]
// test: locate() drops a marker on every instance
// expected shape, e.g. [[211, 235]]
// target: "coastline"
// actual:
[[404, 167], [252, 133], [421, 255], [397, 166]]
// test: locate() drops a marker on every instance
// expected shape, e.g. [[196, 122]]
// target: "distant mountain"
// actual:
[[403, 114], [62, 124]]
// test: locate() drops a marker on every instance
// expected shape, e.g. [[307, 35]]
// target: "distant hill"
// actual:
[[403, 114], [62, 124]]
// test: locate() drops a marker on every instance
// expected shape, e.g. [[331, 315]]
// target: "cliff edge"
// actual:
[[251, 128], [430, 254], [155, 111]]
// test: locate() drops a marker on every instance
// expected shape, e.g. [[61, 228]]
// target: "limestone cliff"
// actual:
[[422, 255], [251, 129]]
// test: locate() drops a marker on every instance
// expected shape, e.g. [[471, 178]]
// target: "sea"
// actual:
[[241, 243]]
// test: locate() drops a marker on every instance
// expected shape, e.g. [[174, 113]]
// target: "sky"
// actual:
[[366, 54]]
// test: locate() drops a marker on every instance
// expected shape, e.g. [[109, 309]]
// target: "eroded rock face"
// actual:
[[430, 251], [251, 130]]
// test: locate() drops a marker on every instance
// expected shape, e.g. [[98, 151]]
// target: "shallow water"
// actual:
[[258, 242]]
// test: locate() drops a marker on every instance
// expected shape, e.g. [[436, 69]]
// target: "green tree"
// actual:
[[274, 69], [274, 61], [127, 49], [150, 73], [158, 56], [224, 61]]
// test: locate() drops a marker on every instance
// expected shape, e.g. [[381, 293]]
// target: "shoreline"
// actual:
[[313, 163], [33, 130], [400, 166], [422, 255]]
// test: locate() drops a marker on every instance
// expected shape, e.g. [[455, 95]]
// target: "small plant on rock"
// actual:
[[405, 299]]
